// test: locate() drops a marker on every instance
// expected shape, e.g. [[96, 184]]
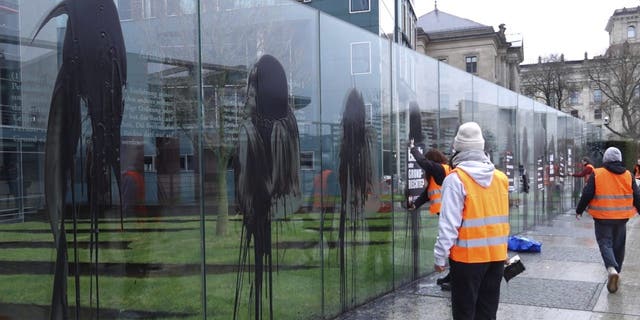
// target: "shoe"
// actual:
[[445, 279], [445, 286], [612, 281]]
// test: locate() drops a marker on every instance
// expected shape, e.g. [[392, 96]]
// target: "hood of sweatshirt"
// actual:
[[476, 164], [616, 167]]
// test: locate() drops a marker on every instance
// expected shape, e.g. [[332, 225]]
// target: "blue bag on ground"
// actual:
[[522, 244]]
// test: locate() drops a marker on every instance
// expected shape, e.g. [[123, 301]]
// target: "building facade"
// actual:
[[470, 46], [574, 89]]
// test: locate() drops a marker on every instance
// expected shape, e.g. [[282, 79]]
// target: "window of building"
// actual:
[[125, 10], [306, 160], [186, 162], [597, 96], [472, 64], [149, 163], [574, 98], [575, 113], [368, 108], [151, 8], [359, 6], [631, 32], [173, 8], [443, 59], [597, 113], [360, 58]]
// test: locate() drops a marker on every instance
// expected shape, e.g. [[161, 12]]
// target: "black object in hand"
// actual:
[[513, 268]]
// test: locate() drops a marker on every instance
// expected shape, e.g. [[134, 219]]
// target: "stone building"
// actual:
[[581, 96], [470, 46]]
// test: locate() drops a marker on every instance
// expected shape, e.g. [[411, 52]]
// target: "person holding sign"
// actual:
[[434, 164]]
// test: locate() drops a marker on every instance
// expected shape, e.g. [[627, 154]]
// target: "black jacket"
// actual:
[[431, 169], [589, 190]]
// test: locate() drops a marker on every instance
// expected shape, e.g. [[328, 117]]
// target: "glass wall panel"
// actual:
[[358, 123], [486, 113], [107, 247], [574, 154], [527, 162], [540, 157], [507, 157], [455, 87], [564, 144], [261, 119], [415, 94], [551, 181]]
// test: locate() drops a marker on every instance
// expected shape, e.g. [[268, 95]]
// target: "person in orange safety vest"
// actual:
[[611, 197], [587, 169], [436, 168], [133, 193], [473, 227]]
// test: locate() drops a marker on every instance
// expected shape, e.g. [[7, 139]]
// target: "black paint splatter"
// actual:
[[266, 173], [415, 123], [356, 174], [93, 70]]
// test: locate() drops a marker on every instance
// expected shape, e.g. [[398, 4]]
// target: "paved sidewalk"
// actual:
[[567, 280]]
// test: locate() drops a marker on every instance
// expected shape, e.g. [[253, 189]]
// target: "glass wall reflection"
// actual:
[[258, 167]]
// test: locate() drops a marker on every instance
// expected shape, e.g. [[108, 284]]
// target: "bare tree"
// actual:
[[617, 76], [548, 81]]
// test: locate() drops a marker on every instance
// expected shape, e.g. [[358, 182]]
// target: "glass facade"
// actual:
[[261, 161]]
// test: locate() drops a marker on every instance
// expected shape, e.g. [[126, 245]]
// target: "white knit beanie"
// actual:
[[612, 154], [469, 137]]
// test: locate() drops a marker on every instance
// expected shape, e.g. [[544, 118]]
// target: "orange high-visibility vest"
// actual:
[[614, 196], [434, 191], [484, 232]]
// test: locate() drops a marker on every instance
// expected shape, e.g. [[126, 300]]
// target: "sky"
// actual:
[[568, 27]]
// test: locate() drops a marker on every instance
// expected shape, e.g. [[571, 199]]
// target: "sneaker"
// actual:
[[612, 282]]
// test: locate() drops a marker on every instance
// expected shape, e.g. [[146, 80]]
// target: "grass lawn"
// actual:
[[154, 265]]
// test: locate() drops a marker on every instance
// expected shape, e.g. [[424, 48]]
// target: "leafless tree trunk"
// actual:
[[547, 81]]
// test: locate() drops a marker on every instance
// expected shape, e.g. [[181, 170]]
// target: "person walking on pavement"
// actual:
[[612, 197], [473, 227], [436, 168], [587, 169]]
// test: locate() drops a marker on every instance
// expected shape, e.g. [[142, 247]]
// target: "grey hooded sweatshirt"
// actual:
[[478, 166]]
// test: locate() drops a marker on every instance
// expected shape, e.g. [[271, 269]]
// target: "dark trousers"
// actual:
[[611, 235], [475, 289]]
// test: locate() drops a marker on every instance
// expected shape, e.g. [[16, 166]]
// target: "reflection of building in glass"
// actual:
[[377, 16]]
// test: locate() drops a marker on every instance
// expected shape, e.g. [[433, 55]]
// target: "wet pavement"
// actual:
[[567, 280]]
